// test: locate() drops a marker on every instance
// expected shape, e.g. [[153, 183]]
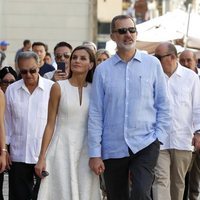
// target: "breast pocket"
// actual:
[[43, 111], [17, 110], [146, 87], [183, 97], [114, 91]]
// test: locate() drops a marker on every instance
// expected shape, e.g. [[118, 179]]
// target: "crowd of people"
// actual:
[[132, 119]]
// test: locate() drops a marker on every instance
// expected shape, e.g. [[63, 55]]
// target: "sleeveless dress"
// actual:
[[70, 177]]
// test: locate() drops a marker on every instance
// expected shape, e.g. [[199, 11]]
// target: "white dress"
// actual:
[[70, 177]]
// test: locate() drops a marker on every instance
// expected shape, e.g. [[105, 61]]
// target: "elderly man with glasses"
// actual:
[[188, 59], [176, 152], [128, 116], [25, 117]]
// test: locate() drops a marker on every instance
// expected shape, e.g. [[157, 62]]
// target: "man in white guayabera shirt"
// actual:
[[26, 116], [176, 152]]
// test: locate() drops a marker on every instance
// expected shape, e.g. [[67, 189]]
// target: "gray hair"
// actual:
[[103, 51], [90, 45], [27, 55], [172, 49]]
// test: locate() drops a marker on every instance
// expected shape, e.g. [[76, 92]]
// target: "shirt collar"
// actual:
[[137, 56], [40, 84], [179, 70]]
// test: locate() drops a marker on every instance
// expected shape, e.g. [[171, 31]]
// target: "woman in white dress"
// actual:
[[64, 146]]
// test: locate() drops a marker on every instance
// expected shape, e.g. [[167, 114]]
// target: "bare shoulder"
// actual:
[[2, 99], [1, 95], [55, 90]]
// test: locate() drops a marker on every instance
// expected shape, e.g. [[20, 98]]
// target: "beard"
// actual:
[[126, 47]]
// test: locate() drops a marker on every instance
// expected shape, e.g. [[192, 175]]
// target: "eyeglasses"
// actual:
[[25, 71], [160, 57], [122, 31], [65, 55], [5, 82]]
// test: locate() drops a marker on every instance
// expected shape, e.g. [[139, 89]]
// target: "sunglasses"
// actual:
[[160, 57], [25, 71], [122, 31], [5, 82], [65, 55]]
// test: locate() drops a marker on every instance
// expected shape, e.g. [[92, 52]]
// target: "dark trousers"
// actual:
[[140, 166], [23, 183], [186, 191], [194, 182], [192, 179], [1, 185]]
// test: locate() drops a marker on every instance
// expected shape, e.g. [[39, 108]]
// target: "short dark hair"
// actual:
[[40, 44], [92, 58], [26, 42], [119, 17], [6, 70], [62, 44], [48, 54]]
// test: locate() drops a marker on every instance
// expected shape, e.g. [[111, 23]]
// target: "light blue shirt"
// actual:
[[129, 106]]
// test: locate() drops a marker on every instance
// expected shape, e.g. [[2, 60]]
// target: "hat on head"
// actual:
[[4, 43], [7, 70]]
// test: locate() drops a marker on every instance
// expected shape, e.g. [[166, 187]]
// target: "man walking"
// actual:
[[188, 59], [26, 117], [176, 153], [128, 116]]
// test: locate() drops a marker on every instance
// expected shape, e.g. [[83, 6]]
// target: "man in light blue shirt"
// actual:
[[128, 116]]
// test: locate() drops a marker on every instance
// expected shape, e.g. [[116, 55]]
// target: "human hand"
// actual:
[[2, 162], [40, 166], [97, 165], [196, 141], [59, 75], [8, 161]]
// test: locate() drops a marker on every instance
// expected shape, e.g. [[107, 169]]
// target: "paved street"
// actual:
[[5, 187]]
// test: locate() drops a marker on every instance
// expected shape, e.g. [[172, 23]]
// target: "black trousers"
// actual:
[[23, 183], [1, 185], [186, 191], [139, 167]]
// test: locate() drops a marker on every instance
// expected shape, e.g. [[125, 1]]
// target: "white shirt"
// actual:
[[184, 95], [25, 119], [49, 75]]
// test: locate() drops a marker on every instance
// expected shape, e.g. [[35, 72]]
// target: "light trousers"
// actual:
[[170, 171]]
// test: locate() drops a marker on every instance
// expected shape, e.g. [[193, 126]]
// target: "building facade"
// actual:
[[49, 21]]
